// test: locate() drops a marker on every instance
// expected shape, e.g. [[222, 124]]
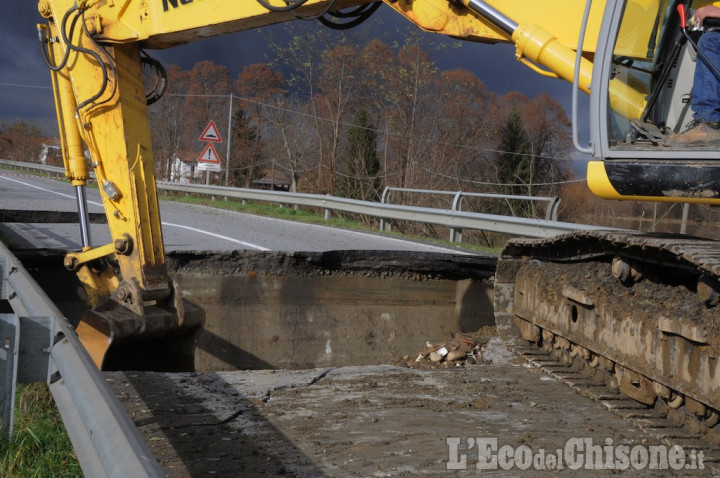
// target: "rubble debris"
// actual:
[[463, 349]]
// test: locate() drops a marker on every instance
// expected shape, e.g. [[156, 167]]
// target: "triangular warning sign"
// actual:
[[209, 155], [211, 134]]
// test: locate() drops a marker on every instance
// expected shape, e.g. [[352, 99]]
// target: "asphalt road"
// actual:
[[185, 226]]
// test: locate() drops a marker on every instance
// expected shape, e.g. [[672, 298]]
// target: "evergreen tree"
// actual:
[[362, 179], [514, 165], [247, 151]]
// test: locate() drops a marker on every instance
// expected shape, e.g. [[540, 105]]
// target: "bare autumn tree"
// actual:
[[20, 141], [167, 119], [410, 116], [338, 86], [454, 159], [375, 96], [291, 142], [257, 85], [302, 55], [207, 99]]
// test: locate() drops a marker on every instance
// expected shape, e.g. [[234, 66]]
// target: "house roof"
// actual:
[[277, 177]]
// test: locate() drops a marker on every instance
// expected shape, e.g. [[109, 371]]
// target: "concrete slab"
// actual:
[[367, 420]]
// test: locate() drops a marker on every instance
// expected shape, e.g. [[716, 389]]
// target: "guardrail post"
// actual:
[[10, 336], [384, 223], [552, 209], [456, 233], [328, 214]]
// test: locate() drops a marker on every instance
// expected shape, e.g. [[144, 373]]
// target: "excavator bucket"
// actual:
[[161, 339]]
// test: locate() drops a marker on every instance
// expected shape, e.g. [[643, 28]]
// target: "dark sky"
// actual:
[[21, 62]]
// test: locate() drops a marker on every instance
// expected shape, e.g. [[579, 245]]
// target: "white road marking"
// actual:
[[386, 238], [247, 244], [38, 187], [200, 231], [219, 236]]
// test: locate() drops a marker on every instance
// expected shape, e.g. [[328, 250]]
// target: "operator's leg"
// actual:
[[706, 85], [705, 100]]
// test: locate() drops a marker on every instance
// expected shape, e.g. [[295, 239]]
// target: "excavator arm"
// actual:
[[94, 51]]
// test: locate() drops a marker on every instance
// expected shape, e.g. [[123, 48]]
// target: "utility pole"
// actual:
[[229, 139]]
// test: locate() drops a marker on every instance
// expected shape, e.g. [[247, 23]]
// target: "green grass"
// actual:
[[40, 446], [6, 240]]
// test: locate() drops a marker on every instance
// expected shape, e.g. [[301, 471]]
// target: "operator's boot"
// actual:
[[699, 134]]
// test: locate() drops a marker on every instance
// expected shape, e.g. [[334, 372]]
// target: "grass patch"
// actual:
[[6, 240], [269, 210], [40, 446]]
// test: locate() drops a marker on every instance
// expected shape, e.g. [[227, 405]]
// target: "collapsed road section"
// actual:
[[311, 309], [317, 330]]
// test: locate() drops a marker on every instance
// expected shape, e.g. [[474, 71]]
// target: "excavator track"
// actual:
[[637, 311], [658, 421]]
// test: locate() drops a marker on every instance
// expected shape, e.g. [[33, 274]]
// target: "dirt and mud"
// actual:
[[370, 421]]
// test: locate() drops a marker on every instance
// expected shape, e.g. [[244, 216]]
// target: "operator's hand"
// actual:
[[707, 11]]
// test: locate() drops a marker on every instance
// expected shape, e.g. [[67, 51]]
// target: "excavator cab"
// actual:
[[642, 81]]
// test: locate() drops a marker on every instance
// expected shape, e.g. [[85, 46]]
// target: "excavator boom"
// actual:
[[93, 49]]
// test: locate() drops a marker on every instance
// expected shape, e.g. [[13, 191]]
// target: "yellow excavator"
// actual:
[[638, 309]]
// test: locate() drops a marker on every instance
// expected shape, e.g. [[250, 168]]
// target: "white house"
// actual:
[[183, 171]]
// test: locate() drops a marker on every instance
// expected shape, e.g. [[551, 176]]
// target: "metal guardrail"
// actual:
[[517, 226], [551, 211], [442, 217], [37, 344], [36, 167]]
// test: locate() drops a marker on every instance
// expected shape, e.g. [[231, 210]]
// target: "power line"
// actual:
[[26, 86], [481, 183], [320, 118], [379, 131]]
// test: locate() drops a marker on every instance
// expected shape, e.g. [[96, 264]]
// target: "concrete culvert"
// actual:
[[301, 310]]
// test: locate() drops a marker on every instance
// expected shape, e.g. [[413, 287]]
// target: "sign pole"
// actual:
[[229, 139]]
